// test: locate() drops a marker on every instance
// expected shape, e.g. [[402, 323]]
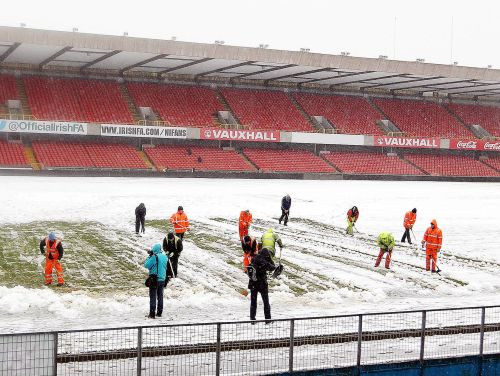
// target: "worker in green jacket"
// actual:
[[386, 243], [269, 240]]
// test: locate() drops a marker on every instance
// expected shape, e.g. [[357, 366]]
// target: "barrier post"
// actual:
[[290, 355], [139, 351]]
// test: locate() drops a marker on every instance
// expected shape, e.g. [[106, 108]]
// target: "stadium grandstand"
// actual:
[[86, 102]]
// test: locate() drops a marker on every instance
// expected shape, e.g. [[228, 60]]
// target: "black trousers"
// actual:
[[264, 293], [154, 295], [284, 215], [173, 260], [139, 224], [406, 235]]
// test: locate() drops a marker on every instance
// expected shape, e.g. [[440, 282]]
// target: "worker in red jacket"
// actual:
[[53, 250], [352, 217], [433, 239], [410, 218], [244, 223]]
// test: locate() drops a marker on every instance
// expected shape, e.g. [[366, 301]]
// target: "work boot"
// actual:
[[158, 314]]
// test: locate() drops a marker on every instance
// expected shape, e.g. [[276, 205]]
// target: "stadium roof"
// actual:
[[43, 50]]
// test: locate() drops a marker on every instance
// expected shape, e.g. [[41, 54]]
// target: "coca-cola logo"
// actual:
[[492, 145], [466, 144]]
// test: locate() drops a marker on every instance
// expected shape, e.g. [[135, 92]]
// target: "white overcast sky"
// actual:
[[399, 29]]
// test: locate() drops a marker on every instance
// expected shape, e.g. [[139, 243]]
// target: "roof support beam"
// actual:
[[223, 69], [329, 78], [160, 73], [296, 74], [99, 59], [479, 87], [264, 71], [443, 83], [140, 63], [403, 82], [365, 80], [10, 50], [53, 57]]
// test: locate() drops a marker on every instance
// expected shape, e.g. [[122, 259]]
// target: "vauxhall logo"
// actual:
[[407, 142]]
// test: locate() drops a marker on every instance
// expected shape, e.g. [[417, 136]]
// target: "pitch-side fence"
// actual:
[[243, 348]]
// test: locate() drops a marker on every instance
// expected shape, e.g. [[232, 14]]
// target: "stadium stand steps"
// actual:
[[322, 156], [23, 97], [253, 165], [382, 113], [30, 157], [478, 131], [226, 105], [299, 107], [146, 160], [130, 103], [413, 164]]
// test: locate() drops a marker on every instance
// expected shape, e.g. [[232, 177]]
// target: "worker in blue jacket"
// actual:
[[156, 263]]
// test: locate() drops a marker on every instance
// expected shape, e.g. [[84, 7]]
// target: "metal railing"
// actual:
[[243, 348]]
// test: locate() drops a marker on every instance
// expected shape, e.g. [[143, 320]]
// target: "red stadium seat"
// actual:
[[348, 114], [266, 109], [12, 154], [8, 89], [487, 117], [422, 118], [87, 155], [197, 158], [370, 163], [82, 100], [270, 160], [450, 165], [493, 162], [178, 105]]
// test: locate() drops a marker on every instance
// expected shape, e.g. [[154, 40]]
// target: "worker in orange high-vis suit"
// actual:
[[244, 223], [180, 222], [53, 250], [433, 239], [410, 218]]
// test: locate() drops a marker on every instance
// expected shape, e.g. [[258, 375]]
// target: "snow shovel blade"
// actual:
[[277, 271]]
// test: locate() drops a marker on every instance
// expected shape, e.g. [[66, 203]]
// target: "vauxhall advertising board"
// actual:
[[239, 135], [35, 126], [408, 142]]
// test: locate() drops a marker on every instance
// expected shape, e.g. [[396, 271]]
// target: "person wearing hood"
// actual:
[[433, 239], [180, 222], [269, 240], [51, 247], [156, 263], [172, 246], [410, 218], [140, 218], [385, 242], [261, 264], [286, 203], [352, 217]]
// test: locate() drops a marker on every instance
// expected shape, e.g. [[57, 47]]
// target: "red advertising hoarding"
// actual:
[[239, 135], [405, 142], [474, 145]]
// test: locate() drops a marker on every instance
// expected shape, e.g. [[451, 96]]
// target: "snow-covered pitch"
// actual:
[[326, 272]]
